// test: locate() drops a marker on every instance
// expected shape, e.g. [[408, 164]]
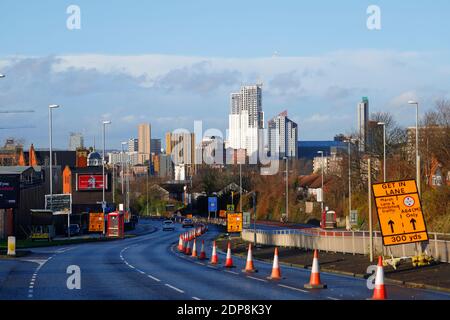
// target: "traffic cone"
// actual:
[[214, 257], [202, 251], [229, 260], [249, 267], [187, 251], [180, 244], [194, 250], [276, 272], [314, 282], [379, 292]]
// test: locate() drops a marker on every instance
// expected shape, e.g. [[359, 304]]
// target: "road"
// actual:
[[149, 267]]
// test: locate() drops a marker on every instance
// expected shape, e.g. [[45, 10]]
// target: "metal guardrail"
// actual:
[[347, 242]]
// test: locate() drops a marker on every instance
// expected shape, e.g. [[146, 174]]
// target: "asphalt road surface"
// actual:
[[149, 267]]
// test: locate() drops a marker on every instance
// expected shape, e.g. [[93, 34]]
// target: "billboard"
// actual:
[[91, 182], [59, 203], [9, 191]]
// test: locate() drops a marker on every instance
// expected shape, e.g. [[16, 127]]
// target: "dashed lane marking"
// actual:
[[174, 288], [292, 288], [228, 271], [195, 298], [156, 279], [331, 298], [254, 278]]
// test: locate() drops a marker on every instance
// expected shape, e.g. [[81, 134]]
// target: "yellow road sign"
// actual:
[[234, 222], [400, 212], [96, 222]]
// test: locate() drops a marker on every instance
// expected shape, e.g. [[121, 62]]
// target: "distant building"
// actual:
[[155, 146], [363, 124], [332, 164], [119, 158], [308, 149], [283, 136], [166, 168], [133, 145], [144, 141], [94, 159], [245, 119], [181, 147], [76, 141]]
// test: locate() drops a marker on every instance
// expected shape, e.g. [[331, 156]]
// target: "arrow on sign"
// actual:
[[413, 222], [391, 224]]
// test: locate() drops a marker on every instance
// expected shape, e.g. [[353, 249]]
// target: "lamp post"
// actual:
[[417, 144], [384, 149], [349, 141], [2, 76], [322, 167], [122, 162], [50, 118], [103, 171], [287, 188]]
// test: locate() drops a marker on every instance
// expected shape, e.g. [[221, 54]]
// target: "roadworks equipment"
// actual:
[[202, 251], [379, 293], [229, 260], [187, 251], [276, 271], [194, 249], [249, 267], [214, 257], [180, 244], [314, 282]]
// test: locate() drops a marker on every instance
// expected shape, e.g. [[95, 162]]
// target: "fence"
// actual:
[[347, 242]]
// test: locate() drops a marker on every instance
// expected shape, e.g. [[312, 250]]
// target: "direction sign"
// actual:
[[96, 222], [60, 204], [400, 212], [212, 204], [234, 222]]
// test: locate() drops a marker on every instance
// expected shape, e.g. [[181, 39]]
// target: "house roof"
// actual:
[[14, 169]]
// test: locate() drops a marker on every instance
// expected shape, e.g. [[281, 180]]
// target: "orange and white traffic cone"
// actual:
[[314, 282], [194, 250], [214, 257], [187, 250], [379, 292], [180, 244], [202, 251], [249, 267], [276, 272], [229, 260]]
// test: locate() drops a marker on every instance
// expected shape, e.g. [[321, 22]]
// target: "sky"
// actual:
[[171, 62]]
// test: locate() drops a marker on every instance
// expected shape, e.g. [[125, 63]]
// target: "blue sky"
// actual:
[[172, 62]]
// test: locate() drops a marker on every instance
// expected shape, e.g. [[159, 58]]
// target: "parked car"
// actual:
[[75, 230], [188, 223], [168, 225]]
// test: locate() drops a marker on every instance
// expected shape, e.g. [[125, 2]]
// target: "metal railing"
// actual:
[[347, 242]]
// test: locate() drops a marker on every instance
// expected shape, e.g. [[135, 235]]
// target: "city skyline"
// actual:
[[171, 84]]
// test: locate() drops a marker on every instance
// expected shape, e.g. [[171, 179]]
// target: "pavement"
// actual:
[[149, 267]]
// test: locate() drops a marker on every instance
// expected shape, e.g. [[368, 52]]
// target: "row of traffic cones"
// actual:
[[314, 282]]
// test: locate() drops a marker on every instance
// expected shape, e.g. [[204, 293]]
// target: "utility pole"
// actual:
[[369, 172], [287, 189]]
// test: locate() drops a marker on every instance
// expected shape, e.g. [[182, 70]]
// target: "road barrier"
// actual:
[[347, 242]]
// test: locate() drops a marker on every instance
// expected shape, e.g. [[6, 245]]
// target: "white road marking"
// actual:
[[232, 272], [195, 298], [331, 298], [156, 279], [254, 278], [174, 288], [292, 288]]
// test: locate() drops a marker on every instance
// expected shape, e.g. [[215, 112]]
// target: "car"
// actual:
[[188, 223], [75, 230], [168, 225]]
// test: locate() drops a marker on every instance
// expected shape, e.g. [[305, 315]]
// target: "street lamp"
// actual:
[[287, 188], [322, 167], [417, 144], [349, 141], [103, 171], [384, 149], [2, 76], [122, 164], [50, 109]]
